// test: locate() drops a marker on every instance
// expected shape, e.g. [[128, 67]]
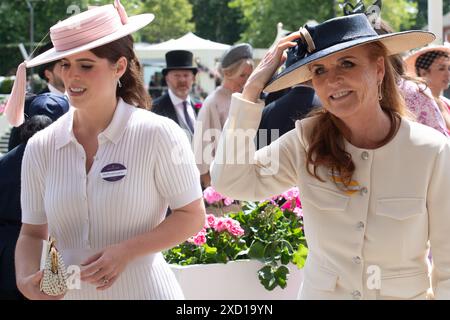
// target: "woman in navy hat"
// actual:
[[374, 185], [235, 67]]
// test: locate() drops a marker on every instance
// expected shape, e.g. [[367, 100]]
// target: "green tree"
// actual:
[[172, 19], [422, 14], [15, 26], [262, 16], [216, 21]]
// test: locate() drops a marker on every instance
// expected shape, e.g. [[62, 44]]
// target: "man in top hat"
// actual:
[[51, 73], [176, 104]]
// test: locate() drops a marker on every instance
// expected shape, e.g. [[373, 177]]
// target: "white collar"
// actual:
[[176, 100], [53, 90]]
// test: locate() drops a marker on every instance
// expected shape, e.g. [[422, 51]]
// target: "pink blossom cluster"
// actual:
[[292, 197], [218, 224], [212, 196]]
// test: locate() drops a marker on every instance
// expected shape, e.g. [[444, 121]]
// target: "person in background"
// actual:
[[235, 67], [373, 184], [177, 104], [42, 111], [51, 73], [100, 179], [432, 63], [418, 97], [279, 116]]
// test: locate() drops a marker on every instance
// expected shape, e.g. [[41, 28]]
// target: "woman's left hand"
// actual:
[[103, 268]]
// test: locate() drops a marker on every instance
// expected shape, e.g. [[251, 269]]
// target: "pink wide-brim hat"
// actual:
[[410, 60], [85, 31]]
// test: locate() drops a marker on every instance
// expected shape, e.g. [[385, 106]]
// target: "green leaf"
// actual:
[[281, 275], [256, 251], [300, 255], [267, 278]]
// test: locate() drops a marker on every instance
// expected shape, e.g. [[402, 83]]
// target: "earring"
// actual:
[[380, 93], [119, 83]]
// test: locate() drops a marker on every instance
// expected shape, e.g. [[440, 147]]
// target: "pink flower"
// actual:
[[291, 194], [200, 239], [2, 107], [236, 230], [210, 221], [227, 201], [221, 224], [211, 196], [298, 211], [197, 105]]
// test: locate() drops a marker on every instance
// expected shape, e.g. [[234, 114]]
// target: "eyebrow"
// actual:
[[340, 59], [80, 60]]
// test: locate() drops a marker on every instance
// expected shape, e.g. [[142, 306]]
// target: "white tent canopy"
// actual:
[[189, 42], [206, 52]]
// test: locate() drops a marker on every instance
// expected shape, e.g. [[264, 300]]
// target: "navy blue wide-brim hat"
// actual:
[[48, 104], [336, 35]]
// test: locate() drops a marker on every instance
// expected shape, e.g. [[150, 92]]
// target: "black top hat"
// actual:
[[336, 35], [179, 60]]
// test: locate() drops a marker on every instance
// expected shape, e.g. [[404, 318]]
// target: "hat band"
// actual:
[[80, 33]]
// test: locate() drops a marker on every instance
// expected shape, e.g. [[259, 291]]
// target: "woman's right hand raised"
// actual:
[[30, 287], [270, 63]]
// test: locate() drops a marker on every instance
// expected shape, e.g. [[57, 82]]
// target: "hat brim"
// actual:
[[134, 23], [165, 70], [410, 60], [394, 42]]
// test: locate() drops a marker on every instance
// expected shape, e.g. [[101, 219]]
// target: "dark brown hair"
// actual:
[[326, 139], [132, 90]]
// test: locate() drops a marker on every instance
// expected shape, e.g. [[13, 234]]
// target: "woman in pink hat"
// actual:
[[101, 178], [433, 64]]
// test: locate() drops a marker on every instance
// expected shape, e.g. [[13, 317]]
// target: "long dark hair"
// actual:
[[132, 90]]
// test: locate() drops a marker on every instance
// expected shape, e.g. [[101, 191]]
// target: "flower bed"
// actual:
[[270, 232]]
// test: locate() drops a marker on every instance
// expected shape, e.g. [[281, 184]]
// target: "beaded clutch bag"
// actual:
[[54, 279]]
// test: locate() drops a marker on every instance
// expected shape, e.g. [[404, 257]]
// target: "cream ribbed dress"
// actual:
[[87, 213]]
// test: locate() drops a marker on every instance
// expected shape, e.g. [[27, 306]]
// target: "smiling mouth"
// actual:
[[340, 95], [75, 91]]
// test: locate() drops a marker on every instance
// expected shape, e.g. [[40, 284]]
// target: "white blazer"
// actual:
[[371, 243]]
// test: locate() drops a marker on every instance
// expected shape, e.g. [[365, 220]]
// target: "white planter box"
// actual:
[[236, 280]]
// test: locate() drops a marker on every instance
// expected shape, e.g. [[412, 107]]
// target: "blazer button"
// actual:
[[365, 155], [357, 260], [360, 225], [356, 295]]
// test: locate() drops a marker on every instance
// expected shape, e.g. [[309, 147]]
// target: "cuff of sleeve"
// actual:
[[33, 219], [194, 192], [243, 113]]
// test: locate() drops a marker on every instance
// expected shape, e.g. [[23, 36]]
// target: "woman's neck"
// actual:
[[230, 85], [368, 131], [436, 92], [94, 118]]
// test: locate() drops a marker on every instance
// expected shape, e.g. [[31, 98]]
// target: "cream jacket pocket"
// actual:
[[400, 208], [405, 286], [325, 199], [321, 279]]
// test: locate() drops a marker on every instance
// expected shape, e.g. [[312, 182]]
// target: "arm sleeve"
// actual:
[[33, 183], [177, 177], [241, 173], [438, 203]]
